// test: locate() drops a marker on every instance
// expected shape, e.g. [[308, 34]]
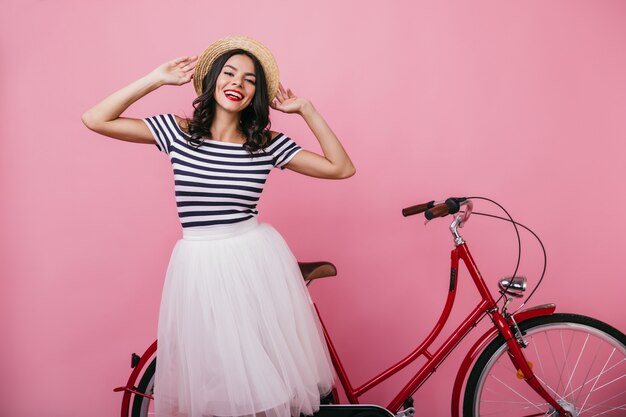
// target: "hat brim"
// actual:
[[256, 48]]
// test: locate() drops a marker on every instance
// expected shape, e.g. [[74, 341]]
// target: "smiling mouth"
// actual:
[[233, 95]]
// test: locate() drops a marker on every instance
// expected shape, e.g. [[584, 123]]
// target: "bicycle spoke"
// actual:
[[504, 402], [507, 412], [600, 404], [609, 383], [517, 393], [549, 387], [586, 380], [597, 379], [618, 408], [538, 356], [564, 370], [553, 358], [580, 354], [579, 361], [576, 391]]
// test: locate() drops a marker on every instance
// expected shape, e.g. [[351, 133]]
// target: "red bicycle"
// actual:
[[531, 362]]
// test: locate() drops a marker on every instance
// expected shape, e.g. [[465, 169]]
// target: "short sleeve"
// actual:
[[164, 129], [282, 149]]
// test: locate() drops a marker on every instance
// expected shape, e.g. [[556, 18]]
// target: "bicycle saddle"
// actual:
[[315, 270]]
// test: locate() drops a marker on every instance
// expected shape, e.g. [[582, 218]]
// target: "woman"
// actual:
[[237, 333]]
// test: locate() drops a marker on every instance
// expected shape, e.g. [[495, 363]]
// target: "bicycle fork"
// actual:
[[515, 344]]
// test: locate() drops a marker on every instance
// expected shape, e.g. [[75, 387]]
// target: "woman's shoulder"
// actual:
[[169, 122], [277, 140], [183, 124], [274, 135]]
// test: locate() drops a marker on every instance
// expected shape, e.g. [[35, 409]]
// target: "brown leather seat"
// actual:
[[314, 270]]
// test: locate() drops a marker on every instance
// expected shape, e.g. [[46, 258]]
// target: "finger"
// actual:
[[180, 59], [189, 60], [279, 95], [290, 93], [279, 91], [184, 62]]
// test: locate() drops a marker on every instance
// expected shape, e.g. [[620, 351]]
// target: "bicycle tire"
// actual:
[[143, 406], [581, 360]]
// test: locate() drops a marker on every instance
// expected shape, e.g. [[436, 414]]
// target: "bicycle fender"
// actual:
[[129, 389], [482, 342]]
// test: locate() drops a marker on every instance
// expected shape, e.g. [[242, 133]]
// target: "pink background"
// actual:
[[523, 102]]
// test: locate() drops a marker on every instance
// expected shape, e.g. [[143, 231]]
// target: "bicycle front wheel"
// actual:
[[143, 405], [580, 361]]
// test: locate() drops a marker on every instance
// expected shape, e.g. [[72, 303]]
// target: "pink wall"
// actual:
[[523, 102]]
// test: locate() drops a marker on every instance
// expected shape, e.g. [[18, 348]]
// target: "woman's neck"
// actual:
[[225, 127]]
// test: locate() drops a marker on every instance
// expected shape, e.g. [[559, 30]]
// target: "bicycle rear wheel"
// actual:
[[580, 360], [143, 406]]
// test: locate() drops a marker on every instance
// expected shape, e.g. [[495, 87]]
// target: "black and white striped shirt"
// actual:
[[218, 182]]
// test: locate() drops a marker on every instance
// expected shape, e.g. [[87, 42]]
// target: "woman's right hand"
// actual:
[[178, 71], [104, 117]]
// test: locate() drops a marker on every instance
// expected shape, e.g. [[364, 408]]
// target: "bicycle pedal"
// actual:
[[134, 360]]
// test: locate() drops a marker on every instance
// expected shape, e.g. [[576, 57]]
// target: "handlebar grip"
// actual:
[[437, 211], [419, 208]]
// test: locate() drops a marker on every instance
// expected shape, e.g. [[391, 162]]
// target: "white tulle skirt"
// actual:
[[238, 335]]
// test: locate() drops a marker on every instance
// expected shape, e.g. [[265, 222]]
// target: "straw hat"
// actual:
[[256, 48]]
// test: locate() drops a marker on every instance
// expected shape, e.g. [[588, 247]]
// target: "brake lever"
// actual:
[[466, 213]]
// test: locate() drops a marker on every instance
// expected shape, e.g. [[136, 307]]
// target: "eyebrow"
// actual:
[[247, 73]]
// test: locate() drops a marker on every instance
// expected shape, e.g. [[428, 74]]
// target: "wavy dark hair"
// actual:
[[255, 120]]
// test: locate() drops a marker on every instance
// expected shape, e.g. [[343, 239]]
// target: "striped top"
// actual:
[[219, 182]]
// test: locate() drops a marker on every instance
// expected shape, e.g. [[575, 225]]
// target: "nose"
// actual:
[[237, 81]]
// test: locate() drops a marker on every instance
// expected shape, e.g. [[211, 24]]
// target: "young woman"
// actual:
[[237, 332]]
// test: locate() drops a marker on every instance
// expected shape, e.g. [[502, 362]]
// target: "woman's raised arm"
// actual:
[[104, 117], [335, 163]]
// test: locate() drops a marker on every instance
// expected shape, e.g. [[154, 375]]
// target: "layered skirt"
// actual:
[[238, 334]]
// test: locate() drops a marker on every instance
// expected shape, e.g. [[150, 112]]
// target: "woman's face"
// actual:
[[236, 84]]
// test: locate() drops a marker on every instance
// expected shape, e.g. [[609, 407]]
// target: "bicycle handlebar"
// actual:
[[440, 210], [433, 210], [417, 209]]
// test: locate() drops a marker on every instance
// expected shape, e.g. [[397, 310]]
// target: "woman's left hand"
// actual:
[[335, 162], [287, 102]]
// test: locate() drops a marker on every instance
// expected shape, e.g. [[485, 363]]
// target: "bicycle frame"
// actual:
[[487, 305]]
